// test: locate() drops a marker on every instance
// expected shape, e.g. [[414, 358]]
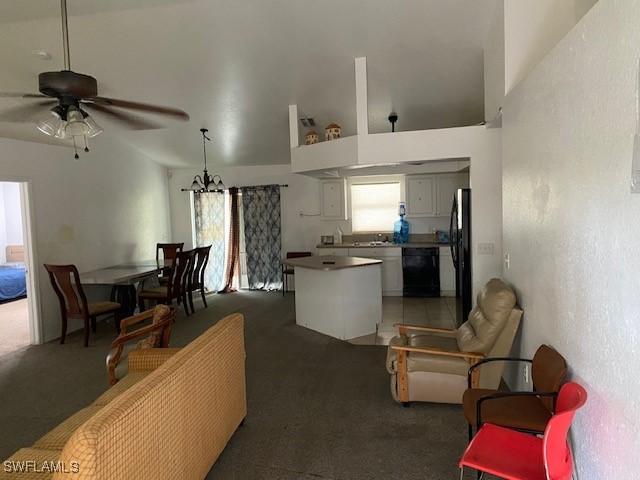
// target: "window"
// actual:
[[374, 206]]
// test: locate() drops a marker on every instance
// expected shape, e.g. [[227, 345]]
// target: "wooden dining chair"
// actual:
[[169, 252], [65, 281], [197, 275], [286, 270], [177, 285]]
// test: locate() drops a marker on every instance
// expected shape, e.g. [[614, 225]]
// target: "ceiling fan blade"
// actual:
[[131, 121], [25, 113], [143, 107], [21, 95]]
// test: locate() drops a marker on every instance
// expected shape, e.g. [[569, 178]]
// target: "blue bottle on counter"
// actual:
[[401, 227]]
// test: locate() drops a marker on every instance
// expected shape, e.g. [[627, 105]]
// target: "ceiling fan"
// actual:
[[60, 109]]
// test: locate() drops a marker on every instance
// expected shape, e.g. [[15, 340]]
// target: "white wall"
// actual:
[[571, 226], [494, 64], [10, 217], [532, 28], [12, 213], [106, 208]]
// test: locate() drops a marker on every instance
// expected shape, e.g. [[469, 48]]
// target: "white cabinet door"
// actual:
[[392, 276], [333, 200], [447, 273], [421, 196], [446, 187]]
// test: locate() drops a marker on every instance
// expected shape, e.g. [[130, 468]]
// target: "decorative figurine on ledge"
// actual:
[[332, 131], [311, 137]]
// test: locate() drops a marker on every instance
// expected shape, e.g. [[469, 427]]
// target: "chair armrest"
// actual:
[[134, 320], [470, 356], [403, 327], [159, 331], [493, 359], [497, 395], [147, 359]]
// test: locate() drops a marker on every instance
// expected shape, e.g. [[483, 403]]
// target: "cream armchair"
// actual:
[[431, 364]]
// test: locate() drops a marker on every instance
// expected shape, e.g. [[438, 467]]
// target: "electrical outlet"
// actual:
[[486, 248], [526, 374], [507, 261]]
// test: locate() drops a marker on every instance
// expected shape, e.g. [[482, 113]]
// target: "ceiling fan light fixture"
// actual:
[[51, 123], [93, 128]]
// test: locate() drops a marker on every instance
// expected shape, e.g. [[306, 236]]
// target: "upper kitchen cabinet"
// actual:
[[333, 199], [421, 196], [432, 195]]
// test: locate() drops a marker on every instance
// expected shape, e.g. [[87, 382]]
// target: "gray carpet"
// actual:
[[317, 407]]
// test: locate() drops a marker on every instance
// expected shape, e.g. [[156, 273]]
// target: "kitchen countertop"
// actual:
[[337, 262], [385, 245]]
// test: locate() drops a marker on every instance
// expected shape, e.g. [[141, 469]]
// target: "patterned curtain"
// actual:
[[209, 219], [261, 210]]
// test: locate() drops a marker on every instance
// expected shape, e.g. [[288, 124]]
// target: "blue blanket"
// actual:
[[13, 283]]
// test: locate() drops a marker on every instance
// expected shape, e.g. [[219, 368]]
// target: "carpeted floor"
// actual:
[[317, 407], [14, 326]]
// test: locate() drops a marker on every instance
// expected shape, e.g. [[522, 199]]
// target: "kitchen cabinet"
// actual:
[[447, 273], [391, 258], [333, 199], [421, 196], [432, 195], [446, 187]]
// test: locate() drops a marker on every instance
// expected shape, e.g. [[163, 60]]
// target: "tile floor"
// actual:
[[433, 312]]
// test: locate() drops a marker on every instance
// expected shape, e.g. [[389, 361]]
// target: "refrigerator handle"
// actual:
[[454, 211]]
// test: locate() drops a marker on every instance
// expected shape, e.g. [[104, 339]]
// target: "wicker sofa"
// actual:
[[170, 417]]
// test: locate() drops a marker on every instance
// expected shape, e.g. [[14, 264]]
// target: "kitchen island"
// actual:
[[340, 296]]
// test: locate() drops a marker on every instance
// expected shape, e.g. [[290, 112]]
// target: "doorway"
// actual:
[[18, 312]]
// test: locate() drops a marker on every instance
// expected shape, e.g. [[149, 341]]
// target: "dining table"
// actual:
[[123, 279]]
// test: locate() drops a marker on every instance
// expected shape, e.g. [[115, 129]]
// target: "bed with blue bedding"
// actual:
[[13, 283]]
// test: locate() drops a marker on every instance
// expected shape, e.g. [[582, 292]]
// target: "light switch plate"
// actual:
[[507, 261]]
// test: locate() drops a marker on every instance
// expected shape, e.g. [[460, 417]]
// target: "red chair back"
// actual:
[[557, 455]]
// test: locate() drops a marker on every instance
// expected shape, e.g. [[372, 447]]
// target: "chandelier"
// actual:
[[205, 182]]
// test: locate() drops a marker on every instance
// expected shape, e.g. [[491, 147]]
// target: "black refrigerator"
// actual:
[[460, 243]]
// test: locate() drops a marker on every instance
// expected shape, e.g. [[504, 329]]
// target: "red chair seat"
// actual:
[[505, 453]]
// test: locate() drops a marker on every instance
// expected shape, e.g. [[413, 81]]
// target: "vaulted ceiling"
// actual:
[[235, 66]]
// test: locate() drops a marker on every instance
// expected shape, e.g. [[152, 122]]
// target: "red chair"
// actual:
[[520, 456]]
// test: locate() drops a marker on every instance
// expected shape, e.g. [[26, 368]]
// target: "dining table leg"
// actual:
[[125, 295]]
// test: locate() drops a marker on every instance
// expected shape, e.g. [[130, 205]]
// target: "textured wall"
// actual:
[[109, 207], [572, 228]]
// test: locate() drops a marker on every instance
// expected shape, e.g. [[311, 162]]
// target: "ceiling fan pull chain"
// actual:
[[75, 148], [86, 144]]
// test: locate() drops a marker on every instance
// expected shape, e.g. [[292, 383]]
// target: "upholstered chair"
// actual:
[[431, 364]]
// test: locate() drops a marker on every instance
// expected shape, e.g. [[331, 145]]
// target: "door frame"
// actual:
[[31, 256]]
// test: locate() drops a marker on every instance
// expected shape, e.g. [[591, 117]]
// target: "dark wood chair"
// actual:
[[177, 284], [169, 252], [154, 334], [197, 276], [526, 411], [65, 281], [286, 270]]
